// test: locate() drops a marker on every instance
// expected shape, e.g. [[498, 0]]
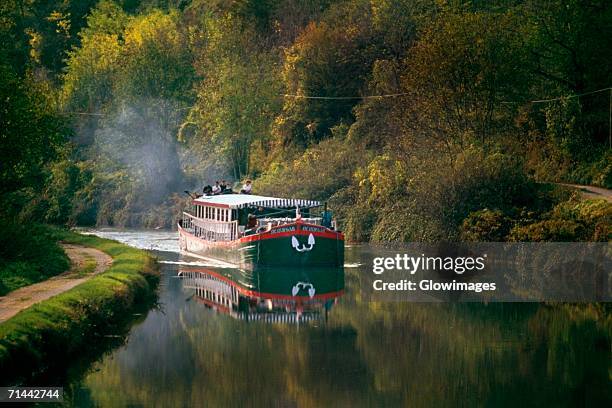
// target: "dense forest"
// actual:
[[417, 120]]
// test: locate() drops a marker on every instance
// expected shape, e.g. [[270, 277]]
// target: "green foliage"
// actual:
[[318, 173], [28, 254], [461, 69], [334, 57], [570, 221], [485, 226], [428, 200], [167, 96], [36, 34], [31, 134], [63, 326], [228, 119]]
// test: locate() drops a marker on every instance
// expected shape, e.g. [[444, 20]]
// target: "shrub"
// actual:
[[429, 198], [548, 230], [572, 220], [28, 254], [318, 173], [485, 226]]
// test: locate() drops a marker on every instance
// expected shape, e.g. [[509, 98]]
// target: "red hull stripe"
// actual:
[[275, 296], [270, 235]]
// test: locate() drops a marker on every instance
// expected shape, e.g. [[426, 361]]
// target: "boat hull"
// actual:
[[295, 245]]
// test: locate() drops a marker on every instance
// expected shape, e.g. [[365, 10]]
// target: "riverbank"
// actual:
[[28, 254], [86, 262], [62, 327]]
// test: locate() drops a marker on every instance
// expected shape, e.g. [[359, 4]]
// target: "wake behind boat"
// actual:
[[250, 230]]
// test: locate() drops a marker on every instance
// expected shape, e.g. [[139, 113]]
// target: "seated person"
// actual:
[[246, 188], [216, 189], [223, 186], [251, 224], [207, 190]]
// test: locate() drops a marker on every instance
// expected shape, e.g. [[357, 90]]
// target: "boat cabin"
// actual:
[[228, 217]]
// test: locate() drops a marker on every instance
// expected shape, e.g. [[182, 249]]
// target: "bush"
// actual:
[[320, 172], [572, 220], [485, 226], [548, 230], [28, 254], [429, 198]]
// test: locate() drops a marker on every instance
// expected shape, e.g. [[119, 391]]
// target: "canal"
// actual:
[[208, 344]]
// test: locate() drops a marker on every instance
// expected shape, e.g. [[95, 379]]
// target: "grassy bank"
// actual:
[[28, 254], [51, 332]]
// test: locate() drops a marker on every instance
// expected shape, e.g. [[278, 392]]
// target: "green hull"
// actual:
[[297, 245]]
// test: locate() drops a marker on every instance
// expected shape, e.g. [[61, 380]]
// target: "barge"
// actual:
[[249, 231]]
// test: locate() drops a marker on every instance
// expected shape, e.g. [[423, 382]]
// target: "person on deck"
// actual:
[[251, 224], [246, 188], [216, 188], [223, 186]]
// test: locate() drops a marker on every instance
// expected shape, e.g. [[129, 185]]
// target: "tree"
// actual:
[[567, 41], [238, 97], [460, 72], [31, 135]]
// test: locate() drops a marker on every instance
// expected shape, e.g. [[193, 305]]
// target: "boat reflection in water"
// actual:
[[273, 295]]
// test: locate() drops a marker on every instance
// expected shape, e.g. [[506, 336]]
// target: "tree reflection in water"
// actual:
[[203, 350]]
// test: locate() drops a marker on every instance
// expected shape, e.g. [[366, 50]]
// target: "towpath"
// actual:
[[591, 191], [86, 263]]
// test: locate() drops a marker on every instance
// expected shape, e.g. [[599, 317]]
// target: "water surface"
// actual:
[[344, 350]]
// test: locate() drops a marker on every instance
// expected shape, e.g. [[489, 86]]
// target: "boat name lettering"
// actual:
[[312, 228], [283, 229]]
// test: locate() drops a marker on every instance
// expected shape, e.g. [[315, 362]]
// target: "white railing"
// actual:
[[211, 230], [263, 222]]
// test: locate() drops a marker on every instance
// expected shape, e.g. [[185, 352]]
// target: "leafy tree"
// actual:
[[31, 134], [566, 42], [459, 74], [38, 33], [156, 63], [238, 97], [330, 58]]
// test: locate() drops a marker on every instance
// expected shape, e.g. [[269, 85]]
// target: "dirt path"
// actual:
[[591, 192], [86, 262]]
